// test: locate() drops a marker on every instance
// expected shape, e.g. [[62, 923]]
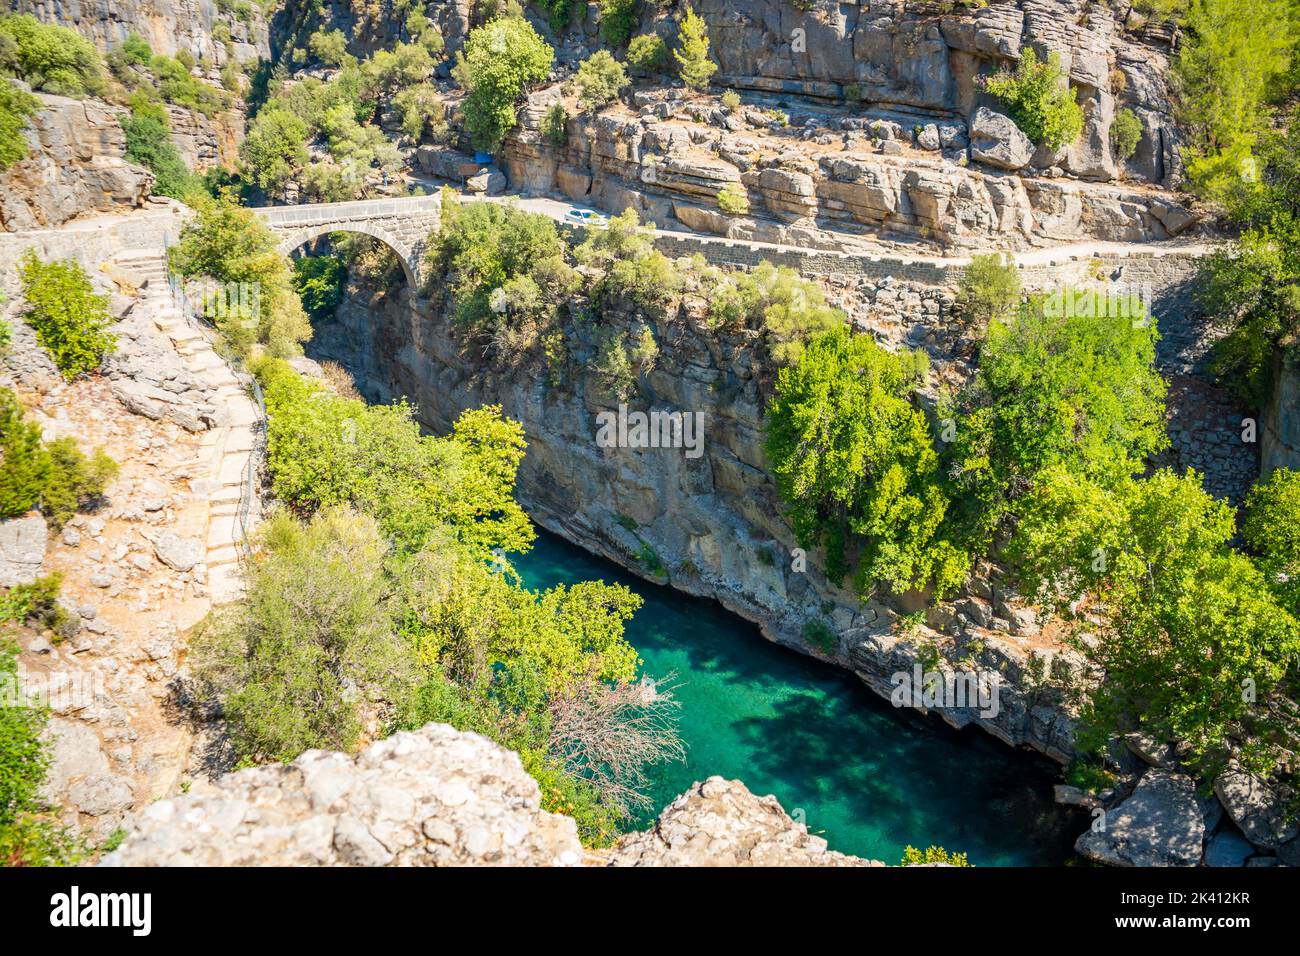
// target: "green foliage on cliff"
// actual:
[[854, 461], [500, 61], [647, 54], [633, 269], [29, 836], [1125, 134], [692, 54], [274, 151], [989, 288], [1079, 393], [16, 108], [1039, 99], [618, 18], [69, 319], [231, 244], [1196, 647], [49, 58]]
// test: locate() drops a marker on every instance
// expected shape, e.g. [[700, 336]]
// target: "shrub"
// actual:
[[75, 481], [69, 319], [555, 125], [733, 200], [16, 108], [600, 79], [50, 58], [178, 86], [634, 269], [1125, 134], [731, 100], [647, 54], [932, 854], [319, 282], [692, 55], [989, 288], [853, 460], [500, 61], [1039, 100]]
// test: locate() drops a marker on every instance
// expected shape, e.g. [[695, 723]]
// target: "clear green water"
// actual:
[[868, 777]]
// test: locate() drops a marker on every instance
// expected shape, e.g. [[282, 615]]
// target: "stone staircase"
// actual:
[[227, 449]]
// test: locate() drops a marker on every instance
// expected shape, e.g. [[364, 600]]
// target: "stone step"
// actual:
[[222, 557], [225, 583]]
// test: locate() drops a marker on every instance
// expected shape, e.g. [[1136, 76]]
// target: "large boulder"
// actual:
[[995, 139], [1256, 808], [177, 552], [22, 550], [1160, 824]]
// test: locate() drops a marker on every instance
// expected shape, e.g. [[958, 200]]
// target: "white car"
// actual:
[[585, 217]]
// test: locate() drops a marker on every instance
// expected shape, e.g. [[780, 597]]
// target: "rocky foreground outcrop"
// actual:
[[442, 797]]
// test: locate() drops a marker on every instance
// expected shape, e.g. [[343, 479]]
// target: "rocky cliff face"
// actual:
[[76, 166], [441, 797]]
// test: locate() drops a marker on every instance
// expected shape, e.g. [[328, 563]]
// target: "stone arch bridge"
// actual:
[[401, 224]]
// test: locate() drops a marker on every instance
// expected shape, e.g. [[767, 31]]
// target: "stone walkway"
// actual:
[[227, 450]]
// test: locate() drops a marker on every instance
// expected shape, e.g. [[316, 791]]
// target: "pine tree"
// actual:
[[692, 55]]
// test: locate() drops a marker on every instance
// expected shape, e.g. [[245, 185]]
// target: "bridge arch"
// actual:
[[405, 255]]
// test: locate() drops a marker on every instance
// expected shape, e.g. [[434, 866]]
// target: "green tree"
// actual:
[[319, 282], [618, 19], [329, 46], [149, 143], [1125, 134], [1040, 100], [69, 319], [989, 288], [1232, 52], [26, 463], [600, 79], [1271, 529], [1078, 391], [855, 463], [274, 150], [1189, 623], [733, 200], [692, 54], [500, 61], [75, 480]]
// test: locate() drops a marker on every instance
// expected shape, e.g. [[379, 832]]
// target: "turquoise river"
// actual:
[[868, 777]]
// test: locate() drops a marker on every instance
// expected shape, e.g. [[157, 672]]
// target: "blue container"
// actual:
[[483, 158]]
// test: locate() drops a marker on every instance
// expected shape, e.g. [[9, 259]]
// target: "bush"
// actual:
[[69, 319], [75, 481], [319, 282], [731, 100], [692, 55], [274, 150], [647, 54], [600, 78], [16, 108], [1125, 134], [733, 200], [634, 269], [854, 462], [500, 61], [932, 854], [26, 464], [1039, 100], [178, 86], [49, 58]]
